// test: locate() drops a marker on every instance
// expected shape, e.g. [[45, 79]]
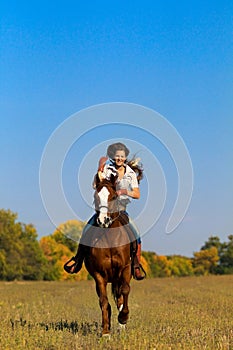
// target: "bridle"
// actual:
[[108, 220]]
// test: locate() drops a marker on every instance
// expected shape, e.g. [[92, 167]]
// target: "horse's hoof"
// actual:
[[122, 326], [106, 335], [122, 319]]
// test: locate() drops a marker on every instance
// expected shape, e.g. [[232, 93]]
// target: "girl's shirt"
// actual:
[[128, 181]]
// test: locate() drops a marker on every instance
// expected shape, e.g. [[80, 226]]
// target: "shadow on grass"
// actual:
[[83, 328]]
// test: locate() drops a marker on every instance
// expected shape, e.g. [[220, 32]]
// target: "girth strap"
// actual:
[[133, 241]]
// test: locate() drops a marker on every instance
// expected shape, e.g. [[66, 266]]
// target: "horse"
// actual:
[[108, 259]]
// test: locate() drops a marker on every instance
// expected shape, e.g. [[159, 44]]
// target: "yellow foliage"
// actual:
[[163, 265], [145, 265], [58, 254], [71, 229], [205, 260], [82, 275]]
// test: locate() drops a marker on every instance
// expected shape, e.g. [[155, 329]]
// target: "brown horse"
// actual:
[[108, 258]]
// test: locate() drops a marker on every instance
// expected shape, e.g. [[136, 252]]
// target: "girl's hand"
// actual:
[[102, 162], [122, 192]]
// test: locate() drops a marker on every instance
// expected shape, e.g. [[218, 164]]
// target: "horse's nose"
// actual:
[[104, 221], [107, 221]]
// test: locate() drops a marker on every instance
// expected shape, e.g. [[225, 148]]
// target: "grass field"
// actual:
[[170, 313]]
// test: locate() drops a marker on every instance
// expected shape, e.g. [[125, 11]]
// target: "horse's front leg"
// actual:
[[101, 289], [125, 289]]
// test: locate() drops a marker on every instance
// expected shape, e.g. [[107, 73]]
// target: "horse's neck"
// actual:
[[115, 214]]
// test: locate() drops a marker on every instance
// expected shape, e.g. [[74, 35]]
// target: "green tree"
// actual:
[[33, 260], [69, 234], [213, 241], [3, 265], [226, 258], [20, 254]]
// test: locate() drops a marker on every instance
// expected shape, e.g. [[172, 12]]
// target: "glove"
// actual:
[[102, 162], [122, 192]]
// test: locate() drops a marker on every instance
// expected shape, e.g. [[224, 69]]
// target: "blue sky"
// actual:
[[173, 57]]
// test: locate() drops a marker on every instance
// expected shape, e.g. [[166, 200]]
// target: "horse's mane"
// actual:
[[136, 165]]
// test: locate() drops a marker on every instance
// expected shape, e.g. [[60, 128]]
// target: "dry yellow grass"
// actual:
[[171, 313]]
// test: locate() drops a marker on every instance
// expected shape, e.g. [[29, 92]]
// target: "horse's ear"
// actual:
[[97, 179]]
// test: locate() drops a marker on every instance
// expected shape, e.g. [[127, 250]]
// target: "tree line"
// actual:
[[24, 257]]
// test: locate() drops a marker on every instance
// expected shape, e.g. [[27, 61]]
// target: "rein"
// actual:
[[109, 184], [118, 212]]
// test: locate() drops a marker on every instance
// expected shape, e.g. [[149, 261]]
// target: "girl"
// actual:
[[129, 176]]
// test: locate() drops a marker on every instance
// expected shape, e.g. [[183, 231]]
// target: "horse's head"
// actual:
[[105, 201]]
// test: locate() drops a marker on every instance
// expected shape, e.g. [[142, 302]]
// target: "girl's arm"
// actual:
[[134, 193]]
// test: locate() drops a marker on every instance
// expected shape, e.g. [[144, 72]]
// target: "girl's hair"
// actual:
[[118, 146], [134, 163]]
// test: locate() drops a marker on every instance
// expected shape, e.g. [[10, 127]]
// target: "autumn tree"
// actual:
[[161, 266], [180, 266], [150, 266], [165, 266], [205, 261], [54, 253], [225, 253], [60, 246]]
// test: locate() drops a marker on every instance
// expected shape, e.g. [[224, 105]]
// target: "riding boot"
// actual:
[[137, 266], [74, 265], [79, 257], [77, 260]]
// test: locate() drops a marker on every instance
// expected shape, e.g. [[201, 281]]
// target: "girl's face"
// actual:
[[120, 158]]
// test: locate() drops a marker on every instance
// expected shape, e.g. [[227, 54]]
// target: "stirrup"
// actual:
[[140, 268], [75, 266]]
